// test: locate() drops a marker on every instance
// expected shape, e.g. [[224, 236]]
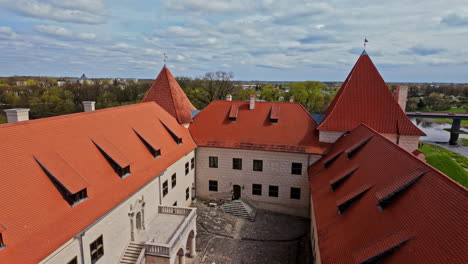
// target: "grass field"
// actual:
[[450, 163]]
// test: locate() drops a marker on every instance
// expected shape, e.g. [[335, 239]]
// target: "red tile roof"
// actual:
[[295, 130], [429, 212], [365, 98], [167, 93], [38, 218]]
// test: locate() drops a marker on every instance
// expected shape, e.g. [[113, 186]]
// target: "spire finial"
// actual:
[[365, 41], [165, 59]]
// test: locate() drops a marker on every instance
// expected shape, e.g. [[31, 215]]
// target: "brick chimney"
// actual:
[[252, 102], [17, 114], [401, 95], [89, 106], [291, 99], [229, 97]]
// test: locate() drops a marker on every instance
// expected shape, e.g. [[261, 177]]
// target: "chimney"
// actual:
[[229, 97], [17, 114], [89, 106], [291, 99], [252, 102], [401, 95]]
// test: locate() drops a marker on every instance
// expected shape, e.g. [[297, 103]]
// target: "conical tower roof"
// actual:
[[169, 95], [365, 98]]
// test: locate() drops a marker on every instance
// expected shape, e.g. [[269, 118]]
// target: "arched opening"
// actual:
[[191, 246], [139, 224], [181, 256]]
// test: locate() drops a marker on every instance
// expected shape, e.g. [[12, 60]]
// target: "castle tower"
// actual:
[[365, 98], [169, 95]]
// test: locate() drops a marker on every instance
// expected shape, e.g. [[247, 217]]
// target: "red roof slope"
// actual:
[[365, 98], [37, 217], [295, 130], [167, 93], [425, 223]]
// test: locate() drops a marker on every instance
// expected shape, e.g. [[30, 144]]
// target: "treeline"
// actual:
[[437, 98], [315, 96], [46, 99]]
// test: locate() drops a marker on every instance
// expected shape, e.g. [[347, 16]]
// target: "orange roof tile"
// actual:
[[365, 98], [39, 220], [422, 213], [167, 93], [295, 131]]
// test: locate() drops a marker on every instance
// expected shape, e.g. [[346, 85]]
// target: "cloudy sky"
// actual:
[[409, 40]]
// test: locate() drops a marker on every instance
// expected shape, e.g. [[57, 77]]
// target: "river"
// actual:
[[436, 134]]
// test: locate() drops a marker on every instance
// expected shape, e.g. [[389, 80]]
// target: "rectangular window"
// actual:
[[187, 168], [213, 186], [192, 163], [256, 189], [173, 180], [273, 191], [96, 249], [187, 193], [213, 162], [77, 197], [236, 164], [73, 261], [165, 188], [258, 165], [296, 168], [295, 193], [1, 241]]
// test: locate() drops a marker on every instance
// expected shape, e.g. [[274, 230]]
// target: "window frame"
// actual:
[[212, 185], [271, 191], [256, 190], [238, 162], [256, 163], [213, 162], [295, 195], [192, 163], [98, 246], [165, 188], [294, 170], [187, 168], [173, 180], [187, 193]]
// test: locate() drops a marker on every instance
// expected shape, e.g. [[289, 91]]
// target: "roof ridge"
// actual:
[[71, 115], [398, 147]]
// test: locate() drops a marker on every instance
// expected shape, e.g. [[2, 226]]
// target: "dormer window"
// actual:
[[233, 112], [118, 161], [176, 138], [353, 150], [65, 178], [352, 197], [154, 150], [274, 114], [79, 196], [329, 161], [388, 195]]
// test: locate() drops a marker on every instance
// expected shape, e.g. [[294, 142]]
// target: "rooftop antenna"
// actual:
[[365, 41], [165, 59]]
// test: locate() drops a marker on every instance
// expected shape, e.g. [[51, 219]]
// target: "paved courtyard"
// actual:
[[272, 238]]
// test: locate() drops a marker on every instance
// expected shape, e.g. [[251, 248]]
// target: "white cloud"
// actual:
[[7, 33], [64, 12], [64, 33]]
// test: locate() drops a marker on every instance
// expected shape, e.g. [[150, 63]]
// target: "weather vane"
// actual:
[[365, 41], [165, 58]]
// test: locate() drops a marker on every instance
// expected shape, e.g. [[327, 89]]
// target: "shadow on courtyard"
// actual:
[[272, 238]]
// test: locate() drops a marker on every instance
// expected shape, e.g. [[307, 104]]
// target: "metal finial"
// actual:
[[165, 59], [365, 41]]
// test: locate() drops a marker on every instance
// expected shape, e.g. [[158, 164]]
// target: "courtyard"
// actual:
[[272, 238]]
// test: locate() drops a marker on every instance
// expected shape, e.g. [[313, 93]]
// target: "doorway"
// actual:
[[236, 192]]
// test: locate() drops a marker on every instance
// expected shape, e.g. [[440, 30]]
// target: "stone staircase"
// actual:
[[241, 209], [131, 253]]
